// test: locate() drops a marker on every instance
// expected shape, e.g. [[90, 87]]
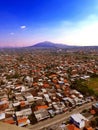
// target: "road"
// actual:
[[58, 118]]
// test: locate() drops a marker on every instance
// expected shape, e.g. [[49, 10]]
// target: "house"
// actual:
[[23, 89], [46, 96], [23, 121], [19, 97], [4, 105], [72, 127], [85, 77], [95, 107], [17, 106], [93, 112], [78, 120], [39, 100], [41, 114], [24, 104], [2, 115], [24, 112], [76, 93], [9, 121], [59, 95], [58, 107], [69, 102], [29, 97], [41, 107], [51, 112]]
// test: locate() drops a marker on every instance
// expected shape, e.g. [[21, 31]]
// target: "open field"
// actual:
[[93, 84]]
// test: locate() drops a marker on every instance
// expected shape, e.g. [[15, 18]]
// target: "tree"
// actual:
[[33, 106], [32, 118], [8, 93], [82, 87], [84, 128], [97, 121], [93, 123], [91, 91]]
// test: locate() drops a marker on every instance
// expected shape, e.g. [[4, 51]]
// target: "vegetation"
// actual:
[[84, 111], [8, 92], [93, 123], [32, 119], [33, 106], [87, 87], [82, 87], [93, 83], [16, 75]]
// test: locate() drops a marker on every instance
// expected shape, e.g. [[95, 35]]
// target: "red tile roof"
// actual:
[[42, 107], [72, 127]]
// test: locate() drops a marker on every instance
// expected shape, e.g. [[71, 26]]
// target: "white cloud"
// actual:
[[23, 27], [84, 32]]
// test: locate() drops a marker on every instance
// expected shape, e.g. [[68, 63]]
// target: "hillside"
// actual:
[[51, 45], [47, 44]]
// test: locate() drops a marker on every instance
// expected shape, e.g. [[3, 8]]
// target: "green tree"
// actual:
[[82, 87], [32, 119], [97, 120], [93, 123]]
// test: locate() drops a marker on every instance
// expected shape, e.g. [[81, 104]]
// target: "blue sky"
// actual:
[[26, 22]]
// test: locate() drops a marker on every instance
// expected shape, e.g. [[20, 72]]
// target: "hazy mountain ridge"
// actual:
[[48, 44], [51, 45]]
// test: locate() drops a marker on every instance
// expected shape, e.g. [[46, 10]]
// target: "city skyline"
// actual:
[[24, 23]]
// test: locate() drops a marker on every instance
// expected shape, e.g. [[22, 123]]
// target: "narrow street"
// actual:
[[58, 118]]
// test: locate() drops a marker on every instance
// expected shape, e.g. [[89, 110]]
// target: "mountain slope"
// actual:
[[48, 44]]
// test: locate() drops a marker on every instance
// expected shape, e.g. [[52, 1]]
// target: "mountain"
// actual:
[[51, 45], [47, 44]]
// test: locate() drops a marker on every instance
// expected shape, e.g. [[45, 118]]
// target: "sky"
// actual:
[[27, 22]]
